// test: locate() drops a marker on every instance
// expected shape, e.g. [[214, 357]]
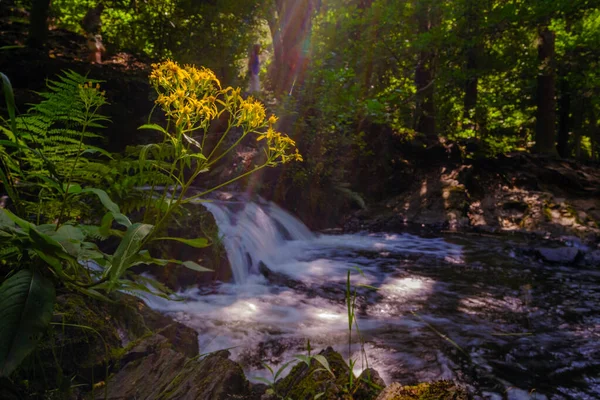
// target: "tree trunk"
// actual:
[[38, 20], [290, 33], [425, 111], [564, 118], [474, 48], [545, 130], [564, 102]]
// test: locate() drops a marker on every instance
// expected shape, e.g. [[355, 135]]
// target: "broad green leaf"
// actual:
[[26, 305], [104, 199], [106, 224], [323, 361], [193, 266], [70, 237], [303, 358], [128, 250], [198, 243], [110, 206], [21, 222], [5, 220], [122, 219], [73, 189]]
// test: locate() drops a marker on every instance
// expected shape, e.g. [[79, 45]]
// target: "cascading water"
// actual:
[[252, 232], [515, 320]]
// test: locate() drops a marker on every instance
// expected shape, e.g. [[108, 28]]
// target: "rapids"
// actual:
[[480, 310]]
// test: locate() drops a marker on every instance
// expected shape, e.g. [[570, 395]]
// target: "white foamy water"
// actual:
[[440, 312]]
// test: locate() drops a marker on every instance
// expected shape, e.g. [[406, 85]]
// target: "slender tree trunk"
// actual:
[[545, 130], [425, 112], [564, 117], [38, 20], [473, 52], [564, 102]]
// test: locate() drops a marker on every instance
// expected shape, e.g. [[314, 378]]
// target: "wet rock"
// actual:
[[166, 374], [145, 347], [183, 338], [593, 258], [441, 390], [277, 278], [370, 384], [561, 255]]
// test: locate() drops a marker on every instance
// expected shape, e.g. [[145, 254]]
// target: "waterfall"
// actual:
[[252, 231]]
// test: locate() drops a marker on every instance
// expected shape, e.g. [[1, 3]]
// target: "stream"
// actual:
[[479, 310]]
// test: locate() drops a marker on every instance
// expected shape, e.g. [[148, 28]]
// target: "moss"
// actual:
[[306, 382], [573, 213], [547, 210], [440, 390]]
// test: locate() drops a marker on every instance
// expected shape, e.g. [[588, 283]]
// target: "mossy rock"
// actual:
[[440, 390], [305, 382], [164, 374]]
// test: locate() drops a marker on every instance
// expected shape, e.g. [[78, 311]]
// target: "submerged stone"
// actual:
[[562, 255]]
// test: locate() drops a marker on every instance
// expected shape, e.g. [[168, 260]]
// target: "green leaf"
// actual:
[[128, 250], [323, 361], [9, 97], [122, 219], [281, 370], [198, 243], [21, 222], [73, 189], [104, 199], [70, 237], [264, 380], [26, 305], [110, 206], [154, 127], [193, 266], [5, 220], [303, 358]]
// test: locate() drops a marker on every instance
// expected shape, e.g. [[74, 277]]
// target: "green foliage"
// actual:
[[216, 34], [46, 148], [26, 303], [50, 231]]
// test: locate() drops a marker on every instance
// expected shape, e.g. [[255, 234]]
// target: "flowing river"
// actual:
[[479, 310]]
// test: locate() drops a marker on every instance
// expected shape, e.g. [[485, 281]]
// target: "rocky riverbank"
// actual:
[[516, 194]]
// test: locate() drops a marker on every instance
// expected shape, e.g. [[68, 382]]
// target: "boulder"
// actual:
[[304, 381], [136, 315], [166, 374], [370, 384], [441, 390], [593, 258], [561, 255]]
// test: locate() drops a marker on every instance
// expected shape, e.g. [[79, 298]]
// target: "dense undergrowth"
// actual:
[[61, 230]]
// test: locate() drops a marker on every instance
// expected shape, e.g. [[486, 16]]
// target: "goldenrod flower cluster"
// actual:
[[193, 97], [279, 145], [91, 95], [187, 95]]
